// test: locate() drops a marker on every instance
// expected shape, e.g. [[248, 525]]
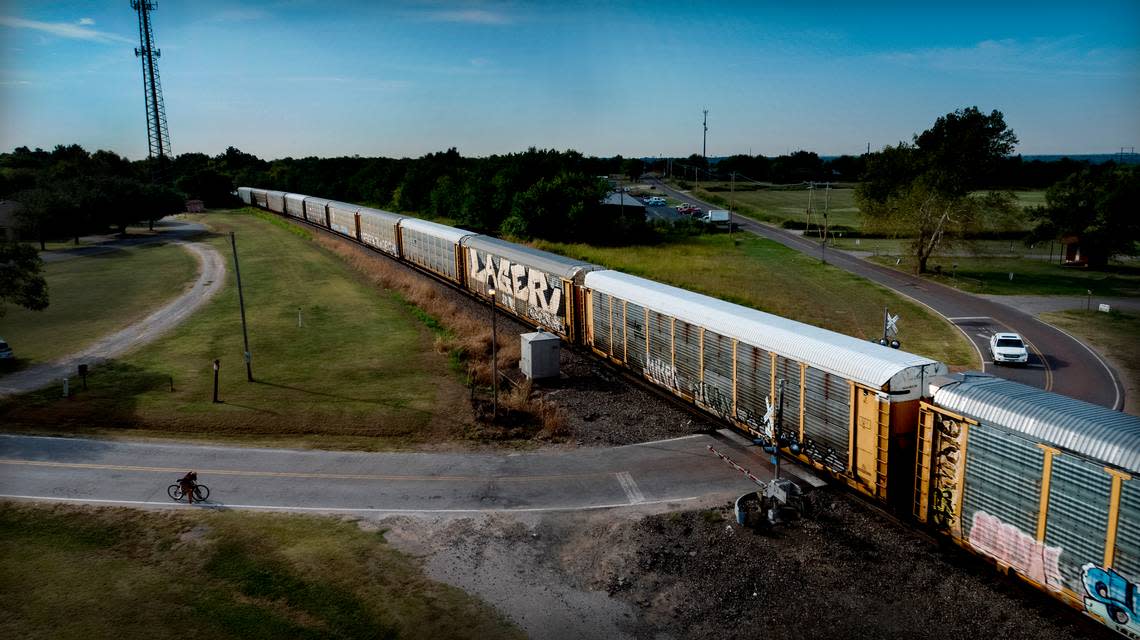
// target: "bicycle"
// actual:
[[201, 492]]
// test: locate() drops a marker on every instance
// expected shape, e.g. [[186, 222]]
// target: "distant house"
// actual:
[[1071, 255], [8, 210], [618, 201]]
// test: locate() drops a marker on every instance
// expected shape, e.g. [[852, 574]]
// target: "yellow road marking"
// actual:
[[295, 474]]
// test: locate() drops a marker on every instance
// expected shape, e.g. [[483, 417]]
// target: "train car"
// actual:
[[380, 229], [534, 285], [275, 201], [433, 246], [343, 219], [259, 198], [1044, 485], [850, 406], [295, 205], [243, 194], [316, 211]]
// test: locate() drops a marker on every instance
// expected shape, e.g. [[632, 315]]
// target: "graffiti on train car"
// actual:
[[541, 294], [662, 373], [947, 446], [1011, 546], [1112, 598], [385, 245], [825, 455]]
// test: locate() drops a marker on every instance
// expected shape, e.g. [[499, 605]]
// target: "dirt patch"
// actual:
[[845, 571]]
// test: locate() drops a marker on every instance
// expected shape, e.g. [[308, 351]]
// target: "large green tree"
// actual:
[[1098, 206], [925, 191], [21, 277]]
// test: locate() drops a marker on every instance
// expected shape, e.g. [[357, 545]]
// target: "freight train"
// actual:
[[1045, 486]]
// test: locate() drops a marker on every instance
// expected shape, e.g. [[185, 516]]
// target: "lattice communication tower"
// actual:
[[158, 136]]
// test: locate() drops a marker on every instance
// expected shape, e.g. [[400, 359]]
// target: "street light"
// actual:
[[494, 359]]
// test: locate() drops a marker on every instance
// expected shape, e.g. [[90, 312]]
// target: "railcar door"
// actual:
[[870, 441]]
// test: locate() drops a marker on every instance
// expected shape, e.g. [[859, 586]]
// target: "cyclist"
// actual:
[[187, 483]]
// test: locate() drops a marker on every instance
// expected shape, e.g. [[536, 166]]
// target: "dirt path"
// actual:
[[212, 271]]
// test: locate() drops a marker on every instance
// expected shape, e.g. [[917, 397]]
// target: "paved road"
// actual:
[[166, 230], [210, 278], [1058, 361], [680, 470]]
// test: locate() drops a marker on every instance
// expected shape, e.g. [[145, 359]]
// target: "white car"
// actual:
[[655, 201], [5, 351], [1008, 348]]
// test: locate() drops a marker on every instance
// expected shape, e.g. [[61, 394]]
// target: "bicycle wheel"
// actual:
[[175, 492], [201, 492]]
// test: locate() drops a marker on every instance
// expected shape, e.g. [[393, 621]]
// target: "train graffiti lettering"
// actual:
[[387, 246], [1009, 545], [662, 373], [529, 285], [826, 455], [1112, 598], [712, 398], [944, 477]]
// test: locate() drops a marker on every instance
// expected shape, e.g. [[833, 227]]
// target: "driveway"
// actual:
[[212, 271], [1058, 361]]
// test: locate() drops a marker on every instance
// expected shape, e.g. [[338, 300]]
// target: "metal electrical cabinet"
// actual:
[[540, 353]]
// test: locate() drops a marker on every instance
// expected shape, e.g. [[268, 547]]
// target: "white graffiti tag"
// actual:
[[530, 286]]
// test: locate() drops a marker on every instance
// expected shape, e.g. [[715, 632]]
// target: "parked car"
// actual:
[[1008, 348], [5, 351], [655, 201], [688, 209]]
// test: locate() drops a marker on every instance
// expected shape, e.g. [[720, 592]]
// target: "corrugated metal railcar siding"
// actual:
[[315, 211], [827, 413], [380, 232], [753, 382], [687, 356], [1126, 560], [431, 252], [295, 205], [260, 198], [275, 201], [601, 313], [714, 393], [1078, 515], [635, 336], [343, 222], [660, 362], [789, 371], [1003, 479]]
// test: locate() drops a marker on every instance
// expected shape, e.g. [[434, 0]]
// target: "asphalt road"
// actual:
[[680, 470], [1058, 362]]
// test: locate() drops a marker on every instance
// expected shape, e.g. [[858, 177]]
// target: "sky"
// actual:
[[296, 78]]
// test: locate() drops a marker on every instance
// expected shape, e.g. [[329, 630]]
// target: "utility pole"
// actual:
[[826, 205], [241, 304], [705, 142]]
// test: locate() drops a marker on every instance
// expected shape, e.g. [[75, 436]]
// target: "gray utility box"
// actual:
[[540, 352]]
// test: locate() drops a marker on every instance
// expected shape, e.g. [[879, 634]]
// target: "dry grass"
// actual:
[[462, 332]]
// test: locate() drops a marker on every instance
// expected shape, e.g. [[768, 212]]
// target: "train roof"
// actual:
[[531, 257], [451, 234], [862, 361], [1069, 424], [387, 215]]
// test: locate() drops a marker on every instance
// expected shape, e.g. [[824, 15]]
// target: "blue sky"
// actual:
[[301, 78]]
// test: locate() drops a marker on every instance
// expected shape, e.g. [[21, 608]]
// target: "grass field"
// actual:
[[81, 572], [777, 203], [1112, 334], [990, 275], [360, 372], [770, 277], [94, 296]]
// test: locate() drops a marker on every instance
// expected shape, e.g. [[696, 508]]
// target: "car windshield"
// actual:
[[1013, 343]]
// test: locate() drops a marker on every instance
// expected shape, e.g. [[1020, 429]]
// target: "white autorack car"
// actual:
[[1008, 348]]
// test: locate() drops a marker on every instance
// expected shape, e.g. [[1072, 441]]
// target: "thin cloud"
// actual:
[[64, 30], [468, 16], [1039, 56], [86, 21]]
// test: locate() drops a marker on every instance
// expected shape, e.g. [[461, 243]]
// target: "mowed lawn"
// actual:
[[97, 295], [83, 572], [1031, 275], [780, 203], [357, 369], [770, 277], [1115, 336]]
